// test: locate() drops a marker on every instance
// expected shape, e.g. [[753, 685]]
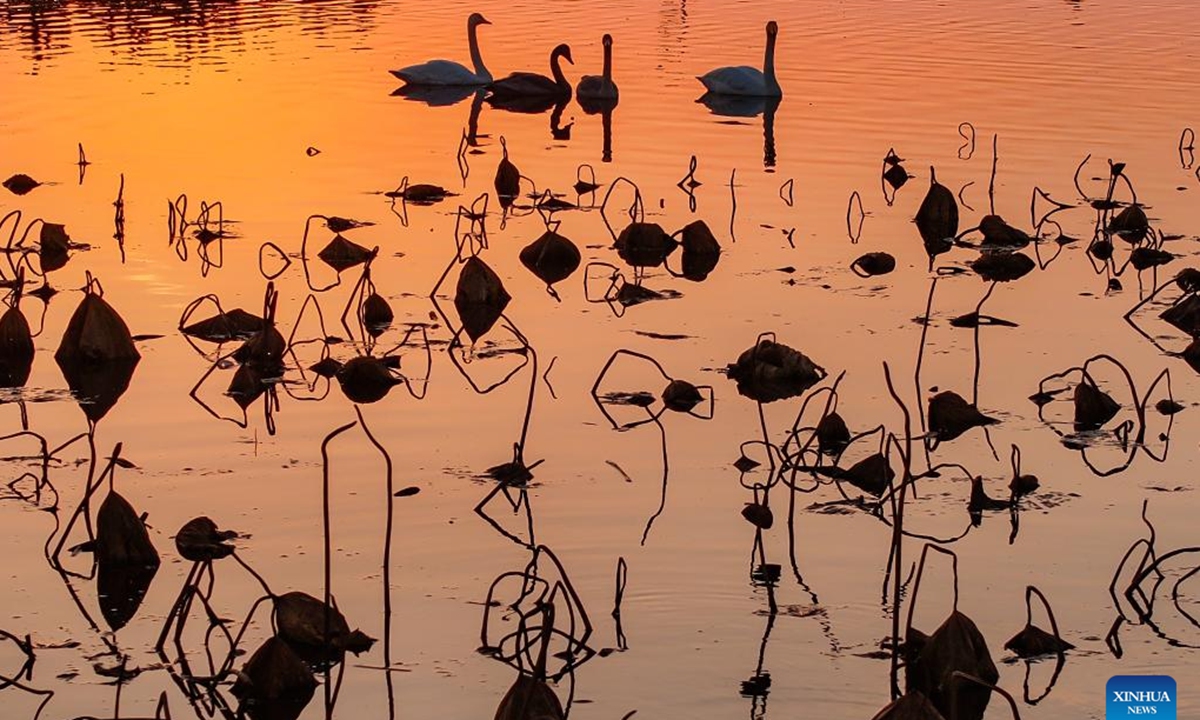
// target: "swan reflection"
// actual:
[[743, 106], [436, 95]]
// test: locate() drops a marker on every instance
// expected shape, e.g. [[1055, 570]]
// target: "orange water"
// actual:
[[221, 100]]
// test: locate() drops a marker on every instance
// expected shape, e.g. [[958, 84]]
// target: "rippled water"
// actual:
[[221, 100]]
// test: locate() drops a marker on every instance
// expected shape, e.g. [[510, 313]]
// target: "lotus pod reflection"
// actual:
[[480, 297], [274, 684], [342, 254], [53, 247], [552, 257], [529, 699], [1002, 266], [910, 706], [126, 559], [644, 245], [937, 218], [701, 251], [16, 348], [366, 379]]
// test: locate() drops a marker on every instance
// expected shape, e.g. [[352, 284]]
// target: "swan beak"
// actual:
[[484, 21], [567, 55]]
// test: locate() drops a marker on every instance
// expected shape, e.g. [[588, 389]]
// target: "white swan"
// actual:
[[599, 87], [448, 72], [745, 80]]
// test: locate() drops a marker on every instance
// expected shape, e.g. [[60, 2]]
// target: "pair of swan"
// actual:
[[594, 92], [447, 73], [736, 80]]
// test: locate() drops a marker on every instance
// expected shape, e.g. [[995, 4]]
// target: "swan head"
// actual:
[[772, 29], [607, 40], [477, 19], [563, 51]]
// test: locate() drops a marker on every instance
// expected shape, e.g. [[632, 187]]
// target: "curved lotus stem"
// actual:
[[960, 675], [917, 583]]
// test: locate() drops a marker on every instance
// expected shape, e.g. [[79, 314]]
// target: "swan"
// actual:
[[745, 80], [599, 87], [448, 72], [526, 84]]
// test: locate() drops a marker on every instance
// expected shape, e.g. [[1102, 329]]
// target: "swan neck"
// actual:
[[556, 70], [608, 62], [769, 62], [476, 58]]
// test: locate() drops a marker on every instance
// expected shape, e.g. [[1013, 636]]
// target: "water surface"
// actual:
[[221, 100]]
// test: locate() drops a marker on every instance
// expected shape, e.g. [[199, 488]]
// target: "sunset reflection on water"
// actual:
[[280, 111]]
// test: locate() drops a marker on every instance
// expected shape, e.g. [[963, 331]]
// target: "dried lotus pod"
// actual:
[[552, 257], [832, 434], [223, 326], [263, 351], [1093, 406], [301, 620], [1003, 266], [342, 254], [16, 348], [96, 333], [956, 646], [643, 244], [701, 251], [760, 516], [126, 560], [200, 540], [1032, 641], [1143, 258], [20, 184], [872, 264], [54, 247], [998, 233], [872, 474], [772, 371], [479, 298], [937, 218], [376, 313], [366, 379], [1131, 224], [681, 396], [950, 415]]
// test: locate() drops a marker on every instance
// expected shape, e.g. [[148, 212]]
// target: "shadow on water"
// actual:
[[679, 396], [736, 106]]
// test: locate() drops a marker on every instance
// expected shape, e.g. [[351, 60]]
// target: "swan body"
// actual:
[[527, 84], [745, 80], [599, 87], [448, 72]]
